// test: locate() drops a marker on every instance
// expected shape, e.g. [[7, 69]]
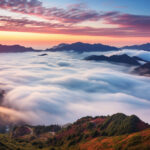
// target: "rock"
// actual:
[[43, 54]]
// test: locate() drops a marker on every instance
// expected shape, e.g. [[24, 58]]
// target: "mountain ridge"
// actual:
[[76, 47], [82, 47], [14, 49], [145, 47], [114, 58]]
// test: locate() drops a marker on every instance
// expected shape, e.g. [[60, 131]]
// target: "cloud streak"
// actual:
[[73, 14]]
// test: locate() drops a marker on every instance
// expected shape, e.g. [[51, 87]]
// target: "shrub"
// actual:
[[118, 146], [95, 134], [135, 140], [73, 142], [52, 148], [90, 125]]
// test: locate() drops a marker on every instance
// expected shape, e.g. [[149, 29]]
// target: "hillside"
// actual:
[[134, 141], [114, 132]]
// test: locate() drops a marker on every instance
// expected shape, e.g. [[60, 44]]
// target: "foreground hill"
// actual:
[[116, 132], [82, 47], [14, 48], [145, 47]]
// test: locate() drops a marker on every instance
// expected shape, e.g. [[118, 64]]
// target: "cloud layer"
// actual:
[[60, 88]]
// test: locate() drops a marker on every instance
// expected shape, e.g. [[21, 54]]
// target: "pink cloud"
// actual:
[[128, 24], [130, 21], [73, 14]]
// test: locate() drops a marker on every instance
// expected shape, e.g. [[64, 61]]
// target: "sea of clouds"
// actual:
[[62, 87]]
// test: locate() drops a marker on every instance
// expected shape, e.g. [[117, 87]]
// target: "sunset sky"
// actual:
[[44, 23]]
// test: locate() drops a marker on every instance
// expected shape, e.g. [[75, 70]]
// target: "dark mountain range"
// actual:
[[115, 58], [143, 69], [82, 47], [77, 47], [14, 48], [145, 47], [116, 132]]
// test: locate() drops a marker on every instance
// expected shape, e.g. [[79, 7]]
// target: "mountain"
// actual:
[[116, 132], [14, 48], [76, 47], [143, 69], [82, 47], [145, 47], [139, 59], [115, 58]]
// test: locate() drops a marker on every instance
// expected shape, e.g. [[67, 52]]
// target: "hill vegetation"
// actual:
[[116, 132]]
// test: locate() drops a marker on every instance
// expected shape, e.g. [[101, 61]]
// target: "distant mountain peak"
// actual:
[[82, 47], [145, 47], [15, 48]]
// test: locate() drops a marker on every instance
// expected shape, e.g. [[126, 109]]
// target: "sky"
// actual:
[[45, 23]]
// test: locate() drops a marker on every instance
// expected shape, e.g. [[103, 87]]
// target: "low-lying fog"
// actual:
[[61, 87]]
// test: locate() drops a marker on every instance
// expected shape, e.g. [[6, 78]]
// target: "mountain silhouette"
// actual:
[[82, 47], [145, 47]]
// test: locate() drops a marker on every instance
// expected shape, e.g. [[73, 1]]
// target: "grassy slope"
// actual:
[[134, 141]]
